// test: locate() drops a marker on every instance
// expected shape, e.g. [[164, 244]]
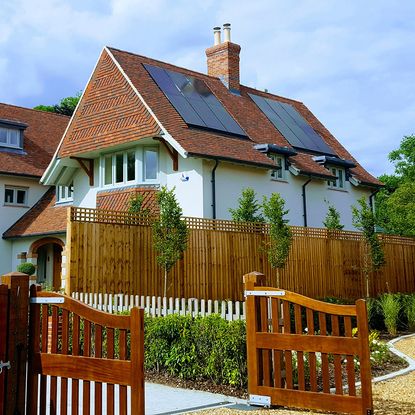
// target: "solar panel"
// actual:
[[194, 101], [292, 125]]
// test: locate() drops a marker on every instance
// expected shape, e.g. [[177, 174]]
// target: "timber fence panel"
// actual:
[[112, 252]]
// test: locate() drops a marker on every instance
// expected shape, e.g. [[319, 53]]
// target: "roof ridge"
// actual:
[[199, 73], [35, 110]]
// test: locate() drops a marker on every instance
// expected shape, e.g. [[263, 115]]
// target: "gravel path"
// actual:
[[391, 397]]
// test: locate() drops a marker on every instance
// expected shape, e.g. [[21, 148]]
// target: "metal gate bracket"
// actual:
[[5, 365], [47, 300], [260, 400], [265, 293]]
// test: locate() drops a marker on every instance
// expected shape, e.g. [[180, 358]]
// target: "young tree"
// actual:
[[65, 107], [332, 220], [280, 236], [170, 232], [248, 208], [373, 255]]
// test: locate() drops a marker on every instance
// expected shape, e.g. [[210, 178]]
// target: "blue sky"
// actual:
[[352, 63]]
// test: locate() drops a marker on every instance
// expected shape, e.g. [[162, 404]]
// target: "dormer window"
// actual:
[[339, 183], [278, 174], [64, 194], [11, 137], [11, 134]]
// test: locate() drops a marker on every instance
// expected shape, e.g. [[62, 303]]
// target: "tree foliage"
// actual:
[[65, 107], [135, 205], [279, 244], [365, 220], [248, 208], [170, 232], [395, 208], [332, 220]]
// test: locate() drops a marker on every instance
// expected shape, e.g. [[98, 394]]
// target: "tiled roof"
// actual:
[[40, 140], [196, 142], [118, 199], [42, 219]]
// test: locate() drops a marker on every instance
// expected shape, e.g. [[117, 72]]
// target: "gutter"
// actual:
[[268, 166], [213, 181], [305, 201]]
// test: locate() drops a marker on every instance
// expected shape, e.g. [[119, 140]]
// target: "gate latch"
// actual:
[[4, 365]]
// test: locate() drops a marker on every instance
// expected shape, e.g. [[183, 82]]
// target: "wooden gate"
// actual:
[[78, 356], [304, 353]]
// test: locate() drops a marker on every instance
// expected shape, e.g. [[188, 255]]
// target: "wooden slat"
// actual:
[[44, 350], [313, 400], [275, 309], [110, 385], [54, 349], [287, 353], [86, 402], [98, 354], [306, 343], [337, 359], [266, 354], [123, 356], [75, 352], [351, 381], [324, 358], [300, 354], [64, 351], [4, 306], [137, 361], [311, 355]]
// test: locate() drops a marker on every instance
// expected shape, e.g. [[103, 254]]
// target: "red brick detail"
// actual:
[[43, 218], [40, 139], [119, 200], [223, 63], [110, 113]]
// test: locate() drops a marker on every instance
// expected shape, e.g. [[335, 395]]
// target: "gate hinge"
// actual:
[[4, 365], [260, 400]]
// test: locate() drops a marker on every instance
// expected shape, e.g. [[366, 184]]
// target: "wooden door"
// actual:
[[57, 267]]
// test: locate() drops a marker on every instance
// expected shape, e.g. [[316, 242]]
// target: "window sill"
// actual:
[[16, 205], [64, 202], [338, 190], [126, 184], [279, 180]]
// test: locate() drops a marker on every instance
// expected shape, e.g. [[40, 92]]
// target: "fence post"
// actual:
[[15, 377], [365, 373], [251, 281]]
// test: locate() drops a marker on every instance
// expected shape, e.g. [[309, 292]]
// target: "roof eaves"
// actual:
[[232, 160], [59, 232]]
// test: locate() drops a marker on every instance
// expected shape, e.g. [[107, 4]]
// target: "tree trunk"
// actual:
[[278, 278], [165, 282]]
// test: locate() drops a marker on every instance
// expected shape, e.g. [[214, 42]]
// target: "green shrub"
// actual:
[[26, 268], [209, 348], [390, 306], [409, 311]]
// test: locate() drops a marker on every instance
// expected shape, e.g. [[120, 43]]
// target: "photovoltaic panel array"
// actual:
[[194, 101], [292, 125]]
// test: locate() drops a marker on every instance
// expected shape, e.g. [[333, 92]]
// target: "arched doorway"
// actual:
[[49, 261]]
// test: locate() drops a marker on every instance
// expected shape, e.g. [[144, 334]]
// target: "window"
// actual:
[[15, 196], [279, 161], [64, 194], [150, 164], [339, 183], [10, 137], [119, 168]]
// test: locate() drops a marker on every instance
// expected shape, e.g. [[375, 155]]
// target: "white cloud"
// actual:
[[351, 62]]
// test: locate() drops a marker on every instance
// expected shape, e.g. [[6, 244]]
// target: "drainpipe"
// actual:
[[305, 202], [213, 181], [371, 198]]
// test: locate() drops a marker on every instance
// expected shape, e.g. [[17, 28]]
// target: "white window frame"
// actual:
[[156, 150], [64, 194], [124, 169], [338, 183], [8, 137], [15, 189], [278, 174]]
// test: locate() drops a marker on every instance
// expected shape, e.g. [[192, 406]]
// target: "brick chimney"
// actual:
[[223, 58]]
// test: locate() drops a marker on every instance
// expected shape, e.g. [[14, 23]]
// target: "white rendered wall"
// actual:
[[232, 178], [10, 214]]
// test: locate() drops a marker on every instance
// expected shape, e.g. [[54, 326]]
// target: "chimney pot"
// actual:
[[216, 35], [227, 32]]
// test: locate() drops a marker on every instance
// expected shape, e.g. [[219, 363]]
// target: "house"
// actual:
[[142, 124], [28, 139]]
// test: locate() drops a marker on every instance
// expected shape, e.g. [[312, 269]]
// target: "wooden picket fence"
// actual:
[[112, 252], [162, 306]]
